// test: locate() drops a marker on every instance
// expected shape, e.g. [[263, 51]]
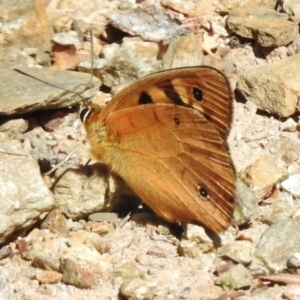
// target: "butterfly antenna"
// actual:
[[49, 83], [84, 105], [92, 55]]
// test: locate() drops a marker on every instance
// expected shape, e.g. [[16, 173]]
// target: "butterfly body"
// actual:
[[170, 148]]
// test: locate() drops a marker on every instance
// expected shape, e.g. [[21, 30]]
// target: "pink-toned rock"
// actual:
[[81, 266], [95, 240], [77, 238], [56, 222], [49, 277], [78, 273], [101, 228], [264, 174]]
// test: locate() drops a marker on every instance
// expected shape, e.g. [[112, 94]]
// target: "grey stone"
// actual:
[[22, 94], [278, 243], [23, 193], [6, 288], [138, 22], [268, 27], [236, 277], [81, 191], [273, 88], [292, 7]]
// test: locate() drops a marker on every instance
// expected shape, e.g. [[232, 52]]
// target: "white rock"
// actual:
[[292, 185]]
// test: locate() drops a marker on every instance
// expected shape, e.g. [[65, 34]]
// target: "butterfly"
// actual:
[[165, 135]]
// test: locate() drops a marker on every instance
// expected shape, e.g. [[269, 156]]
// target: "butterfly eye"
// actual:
[[197, 93], [145, 98], [84, 114]]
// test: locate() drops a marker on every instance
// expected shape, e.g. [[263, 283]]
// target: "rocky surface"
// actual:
[[53, 244]]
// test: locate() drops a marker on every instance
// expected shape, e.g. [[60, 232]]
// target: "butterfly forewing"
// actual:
[[203, 88]]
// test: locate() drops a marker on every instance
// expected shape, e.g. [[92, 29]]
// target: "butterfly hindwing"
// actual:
[[195, 179]]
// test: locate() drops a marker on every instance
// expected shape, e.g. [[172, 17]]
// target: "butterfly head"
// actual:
[[88, 111], [85, 114]]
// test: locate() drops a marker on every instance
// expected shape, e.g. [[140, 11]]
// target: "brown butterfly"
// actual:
[[165, 135]]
